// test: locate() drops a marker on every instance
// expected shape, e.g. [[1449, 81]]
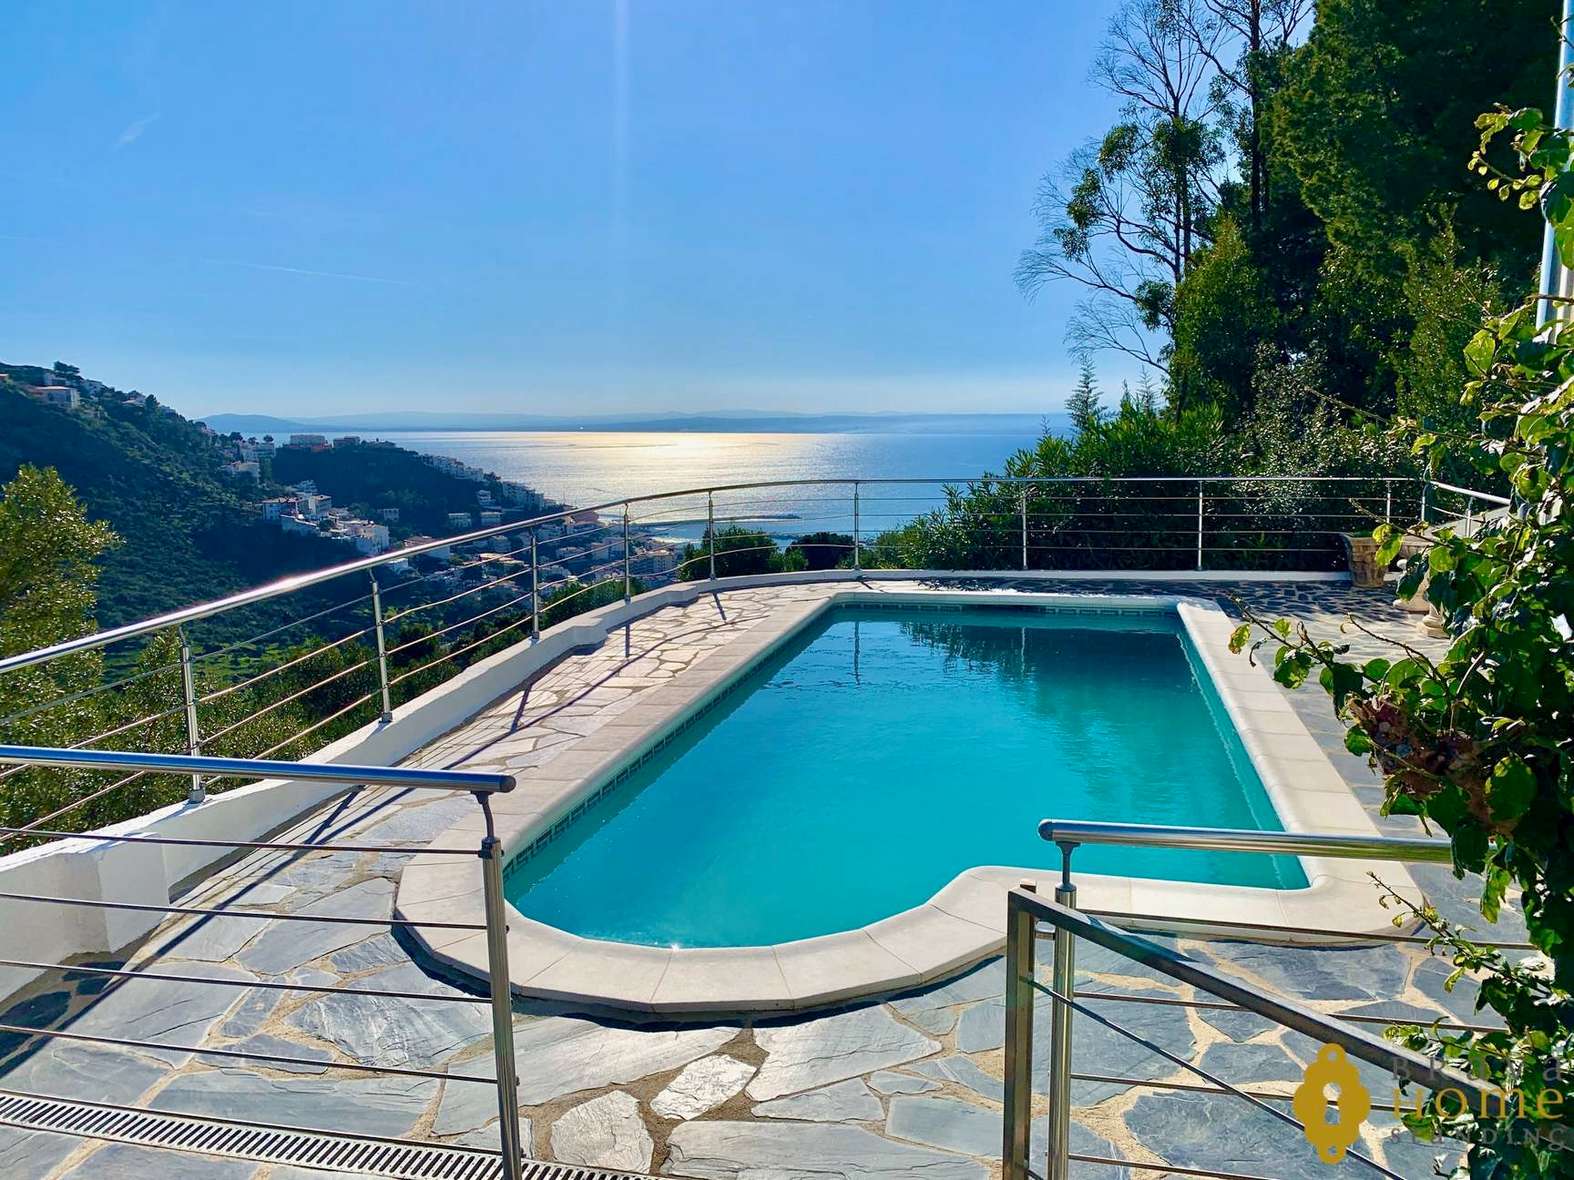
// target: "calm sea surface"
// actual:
[[590, 467]]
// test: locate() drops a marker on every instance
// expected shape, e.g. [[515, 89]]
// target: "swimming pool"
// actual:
[[883, 750]]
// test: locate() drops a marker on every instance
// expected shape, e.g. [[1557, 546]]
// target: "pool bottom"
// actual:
[[882, 751]]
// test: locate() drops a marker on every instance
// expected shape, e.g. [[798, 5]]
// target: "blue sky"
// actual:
[[574, 207]]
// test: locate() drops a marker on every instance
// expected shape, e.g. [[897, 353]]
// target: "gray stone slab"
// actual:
[[1222, 1133], [889, 1082], [158, 1010], [283, 946], [844, 1102], [463, 1107], [1324, 972], [370, 1106], [605, 1132], [702, 1085], [948, 1123], [1244, 1064], [936, 1009], [89, 1072], [418, 823], [1097, 1049], [720, 1150], [255, 893], [964, 1071], [1083, 1142], [378, 1031], [130, 1161], [1238, 1026], [381, 950], [251, 1013], [816, 1052], [1432, 974], [206, 940], [567, 1054], [310, 870], [33, 1153], [317, 1058]]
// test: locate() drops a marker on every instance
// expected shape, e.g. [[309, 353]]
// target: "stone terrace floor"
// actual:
[[905, 1088]]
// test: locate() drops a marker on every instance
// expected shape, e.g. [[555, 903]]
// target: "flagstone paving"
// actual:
[[905, 1088]]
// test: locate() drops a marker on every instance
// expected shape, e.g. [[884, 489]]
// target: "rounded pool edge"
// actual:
[[960, 926]]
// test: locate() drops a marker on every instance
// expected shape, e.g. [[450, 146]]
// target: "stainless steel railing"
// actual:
[[482, 786], [1025, 911], [265, 693], [215, 678]]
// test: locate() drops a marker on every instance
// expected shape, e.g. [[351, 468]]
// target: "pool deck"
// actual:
[[902, 1087]]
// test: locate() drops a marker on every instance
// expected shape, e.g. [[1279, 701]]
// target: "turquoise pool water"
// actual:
[[886, 749]]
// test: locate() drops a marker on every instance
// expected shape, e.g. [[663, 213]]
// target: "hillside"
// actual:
[[188, 532]]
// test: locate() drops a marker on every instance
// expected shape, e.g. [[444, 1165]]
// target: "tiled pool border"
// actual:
[[960, 925]]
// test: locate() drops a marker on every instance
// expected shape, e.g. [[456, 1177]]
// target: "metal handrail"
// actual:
[[323, 772], [309, 578], [1501, 501], [1074, 832], [1024, 909], [482, 786]]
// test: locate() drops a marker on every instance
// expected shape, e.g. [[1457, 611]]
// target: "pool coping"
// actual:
[[960, 925]]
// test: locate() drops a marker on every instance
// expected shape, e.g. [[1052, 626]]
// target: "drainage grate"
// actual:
[[338, 1155]]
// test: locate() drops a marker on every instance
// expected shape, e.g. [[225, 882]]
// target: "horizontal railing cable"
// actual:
[[1176, 1059], [265, 845], [242, 1054], [1220, 1006], [219, 981], [257, 915]]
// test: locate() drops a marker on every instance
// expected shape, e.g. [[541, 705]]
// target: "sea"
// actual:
[[583, 467]]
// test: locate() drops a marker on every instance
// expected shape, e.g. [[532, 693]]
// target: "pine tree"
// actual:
[[1147, 393], [1083, 405]]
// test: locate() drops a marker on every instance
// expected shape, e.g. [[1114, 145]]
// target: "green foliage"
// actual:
[[1212, 360], [153, 477], [1084, 406], [1095, 523], [820, 551], [739, 551], [1479, 742]]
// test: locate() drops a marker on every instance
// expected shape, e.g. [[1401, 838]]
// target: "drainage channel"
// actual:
[[340, 1155]]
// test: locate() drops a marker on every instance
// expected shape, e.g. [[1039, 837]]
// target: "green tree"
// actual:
[[739, 551], [1084, 406], [49, 566], [1221, 311], [1479, 741]]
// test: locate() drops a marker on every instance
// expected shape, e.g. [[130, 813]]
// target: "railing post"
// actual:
[[1063, 981], [1020, 968], [502, 1009], [710, 530], [188, 687], [535, 591], [1200, 486], [1470, 515], [1388, 501], [1024, 525], [382, 647], [1425, 484], [627, 583], [858, 557]]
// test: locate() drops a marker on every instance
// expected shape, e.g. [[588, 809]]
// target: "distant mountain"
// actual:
[[731, 421]]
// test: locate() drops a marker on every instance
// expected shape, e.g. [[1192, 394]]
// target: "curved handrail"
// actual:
[[294, 582]]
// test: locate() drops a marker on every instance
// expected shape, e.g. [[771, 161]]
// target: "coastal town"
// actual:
[[580, 546]]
